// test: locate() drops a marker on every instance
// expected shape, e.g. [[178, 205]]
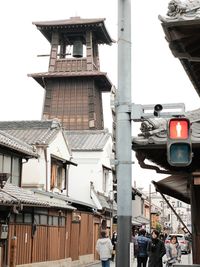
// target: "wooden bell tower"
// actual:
[[74, 82]]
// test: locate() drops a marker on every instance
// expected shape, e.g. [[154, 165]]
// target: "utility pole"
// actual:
[[123, 136], [150, 208]]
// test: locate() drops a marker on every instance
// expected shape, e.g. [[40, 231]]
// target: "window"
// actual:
[[15, 171], [27, 218], [58, 174], [43, 219], [19, 218], [142, 206], [11, 164], [7, 164], [105, 179]]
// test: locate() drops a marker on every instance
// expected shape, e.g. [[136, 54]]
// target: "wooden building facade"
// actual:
[[45, 231]]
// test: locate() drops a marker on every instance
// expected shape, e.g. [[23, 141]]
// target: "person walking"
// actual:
[[173, 251], [142, 243], [114, 243], [104, 248], [156, 250]]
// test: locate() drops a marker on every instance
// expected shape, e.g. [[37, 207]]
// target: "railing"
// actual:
[[72, 65]]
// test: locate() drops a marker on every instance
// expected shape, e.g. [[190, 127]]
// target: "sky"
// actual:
[[157, 77]]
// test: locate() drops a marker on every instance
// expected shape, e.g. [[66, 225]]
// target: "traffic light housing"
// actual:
[[179, 147]]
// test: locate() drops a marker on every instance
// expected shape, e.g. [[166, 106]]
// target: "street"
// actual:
[[185, 259]]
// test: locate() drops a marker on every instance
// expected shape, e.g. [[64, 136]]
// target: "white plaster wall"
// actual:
[[136, 206], [35, 171], [59, 147], [89, 169]]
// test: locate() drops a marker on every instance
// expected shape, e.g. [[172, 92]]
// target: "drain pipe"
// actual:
[[46, 163]]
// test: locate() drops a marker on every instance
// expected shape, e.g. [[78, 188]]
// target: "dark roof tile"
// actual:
[[12, 194], [76, 24], [100, 77], [32, 132], [13, 143], [87, 140]]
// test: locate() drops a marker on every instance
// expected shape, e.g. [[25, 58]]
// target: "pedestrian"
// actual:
[[156, 250], [173, 251], [104, 248], [135, 244], [142, 243], [114, 243]]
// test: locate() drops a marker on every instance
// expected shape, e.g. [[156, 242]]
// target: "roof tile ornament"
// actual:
[[182, 10]]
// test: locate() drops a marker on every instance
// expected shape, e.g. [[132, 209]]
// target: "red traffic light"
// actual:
[[179, 147], [179, 128]]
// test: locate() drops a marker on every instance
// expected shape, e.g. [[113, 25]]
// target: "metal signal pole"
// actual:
[[123, 136]]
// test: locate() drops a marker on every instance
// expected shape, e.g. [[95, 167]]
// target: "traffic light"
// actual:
[[179, 147]]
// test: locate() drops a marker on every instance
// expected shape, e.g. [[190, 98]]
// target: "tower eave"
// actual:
[[100, 77], [76, 25]]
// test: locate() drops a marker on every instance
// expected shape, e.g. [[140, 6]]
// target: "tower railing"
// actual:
[[72, 65]]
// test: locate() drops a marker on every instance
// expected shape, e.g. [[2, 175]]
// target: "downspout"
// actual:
[[66, 179], [46, 161]]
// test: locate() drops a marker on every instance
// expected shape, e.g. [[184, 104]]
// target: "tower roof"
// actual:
[[74, 26]]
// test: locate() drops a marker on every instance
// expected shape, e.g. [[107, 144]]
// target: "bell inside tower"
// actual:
[[77, 48]]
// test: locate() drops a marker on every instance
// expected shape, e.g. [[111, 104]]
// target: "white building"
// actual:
[[92, 151], [49, 172], [80, 170]]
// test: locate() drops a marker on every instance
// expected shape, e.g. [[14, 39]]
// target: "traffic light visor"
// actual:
[[179, 129]]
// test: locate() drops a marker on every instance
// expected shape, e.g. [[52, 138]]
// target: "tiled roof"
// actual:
[[57, 197], [32, 132], [87, 140], [67, 74], [13, 143], [105, 202], [70, 21], [12, 194], [100, 77], [151, 143], [154, 131], [76, 24], [181, 28]]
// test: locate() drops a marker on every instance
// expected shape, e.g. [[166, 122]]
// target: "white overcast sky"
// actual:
[[157, 77]]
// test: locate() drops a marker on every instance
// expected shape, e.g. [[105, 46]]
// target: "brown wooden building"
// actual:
[[44, 230], [74, 82]]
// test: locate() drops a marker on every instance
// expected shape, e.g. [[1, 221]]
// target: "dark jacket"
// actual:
[[142, 243], [114, 240], [156, 250]]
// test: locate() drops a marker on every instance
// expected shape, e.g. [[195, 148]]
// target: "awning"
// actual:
[[64, 160], [141, 220], [136, 223], [176, 186]]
